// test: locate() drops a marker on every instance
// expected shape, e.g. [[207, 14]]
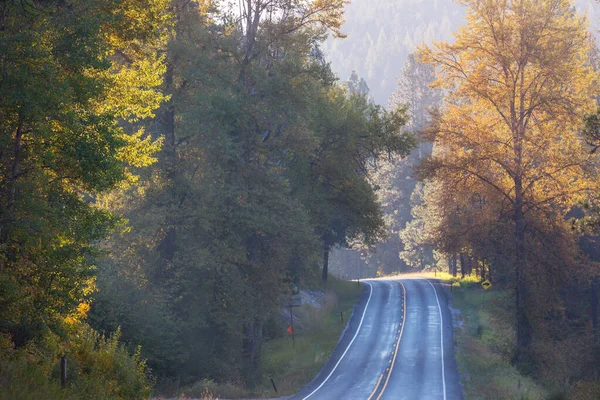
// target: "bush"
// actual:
[[98, 368]]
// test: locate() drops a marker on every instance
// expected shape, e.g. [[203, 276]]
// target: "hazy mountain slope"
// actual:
[[381, 33]]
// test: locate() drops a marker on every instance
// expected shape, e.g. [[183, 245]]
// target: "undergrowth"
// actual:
[[485, 343], [292, 364], [98, 368]]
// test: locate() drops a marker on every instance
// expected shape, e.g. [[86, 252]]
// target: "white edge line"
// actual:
[[350, 344], [442, 337]]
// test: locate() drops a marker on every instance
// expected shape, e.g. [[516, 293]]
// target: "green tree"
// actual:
[[60, 143], [354, 136], [221, 227]]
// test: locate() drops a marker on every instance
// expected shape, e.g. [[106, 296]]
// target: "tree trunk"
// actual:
[[453, 263], [12, 180], [14, 171], [521, 287], [469, 269], [253, 336], [462, 264], [252, 23], [483, 269], [169, 116], [325, 264]]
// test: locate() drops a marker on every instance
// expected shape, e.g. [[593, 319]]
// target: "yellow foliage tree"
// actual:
[[519, 83]]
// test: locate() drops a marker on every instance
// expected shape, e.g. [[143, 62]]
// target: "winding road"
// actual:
[[398, 345]]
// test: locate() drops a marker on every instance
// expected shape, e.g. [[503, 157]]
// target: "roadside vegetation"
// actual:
[[485, 347], [98, 368], [485, 344], [294, 366], [317, 331], [509, 192], [172, 170]]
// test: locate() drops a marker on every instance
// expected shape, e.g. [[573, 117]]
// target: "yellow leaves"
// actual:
[[83, 309], [90, 287], [329, 13], [139, 152], [147, 19], [134, 89], [139, 31], [75, 317], [78, 315], [140, 149], [519, 85], [514, 48]]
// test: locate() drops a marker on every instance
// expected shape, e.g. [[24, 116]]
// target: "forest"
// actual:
[[171, 171]]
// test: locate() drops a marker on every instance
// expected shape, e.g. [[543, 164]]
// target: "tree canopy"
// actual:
[[520, 82]]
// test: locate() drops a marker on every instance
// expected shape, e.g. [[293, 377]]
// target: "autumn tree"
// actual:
[[519, 84]]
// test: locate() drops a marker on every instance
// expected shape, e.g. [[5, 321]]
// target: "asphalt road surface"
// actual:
[[398, 345]]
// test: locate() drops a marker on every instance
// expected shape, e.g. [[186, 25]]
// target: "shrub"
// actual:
[[98, 368]]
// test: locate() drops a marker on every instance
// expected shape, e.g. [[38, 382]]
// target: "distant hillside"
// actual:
[[381, 33]]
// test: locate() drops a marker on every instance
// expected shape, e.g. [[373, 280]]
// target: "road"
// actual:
[[410, 315]]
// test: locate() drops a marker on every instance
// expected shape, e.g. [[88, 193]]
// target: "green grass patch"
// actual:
[[294, 366], [443, 276], [485, 343]]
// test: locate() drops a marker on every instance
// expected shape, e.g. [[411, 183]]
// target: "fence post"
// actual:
[[595, 307], [63, 371], [273, 383]]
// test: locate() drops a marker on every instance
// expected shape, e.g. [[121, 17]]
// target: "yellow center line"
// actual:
[[397, 346], [376, 386]]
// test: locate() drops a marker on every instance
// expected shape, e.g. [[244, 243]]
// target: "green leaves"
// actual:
[[61, 143]]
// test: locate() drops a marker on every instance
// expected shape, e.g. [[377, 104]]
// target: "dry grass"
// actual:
[[443, 276]]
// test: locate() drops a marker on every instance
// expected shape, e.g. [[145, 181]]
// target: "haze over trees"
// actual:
[[510, 190], [390, 50], [382, 33], [171, 169]]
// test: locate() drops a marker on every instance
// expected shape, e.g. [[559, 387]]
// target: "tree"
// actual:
[[519, 83], [357, 85], [395, 178], [414, 89], [67, 80], [219, 228], [416, 237], [354, 136]]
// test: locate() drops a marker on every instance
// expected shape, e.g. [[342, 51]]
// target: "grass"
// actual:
[[294, 365], [444, 276], [20, 379], [485, 343], [98, 368]]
